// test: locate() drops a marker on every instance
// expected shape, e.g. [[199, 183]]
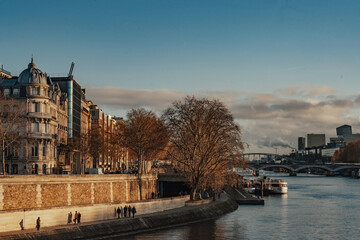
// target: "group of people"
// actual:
[[76, 219], [126, 211]]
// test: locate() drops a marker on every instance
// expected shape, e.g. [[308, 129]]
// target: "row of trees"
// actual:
[[350, 154], [199, 136]]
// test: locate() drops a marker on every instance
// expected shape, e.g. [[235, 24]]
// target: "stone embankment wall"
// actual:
[[52, 197], [118, 228], [29, 192]]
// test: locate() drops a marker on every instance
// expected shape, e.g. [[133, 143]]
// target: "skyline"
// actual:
[[285, 68]]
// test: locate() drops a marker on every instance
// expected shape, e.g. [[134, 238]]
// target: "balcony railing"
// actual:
[[40, 115]]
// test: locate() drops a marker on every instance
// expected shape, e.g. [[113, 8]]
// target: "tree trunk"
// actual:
[[3, 155], [193, 194], [140, 173]]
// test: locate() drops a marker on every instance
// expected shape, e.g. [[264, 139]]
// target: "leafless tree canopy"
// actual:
[[12, 125], [145, 135], [350, 154], [205, 142]]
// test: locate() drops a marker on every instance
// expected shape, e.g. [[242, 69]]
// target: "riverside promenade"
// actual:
[[115, 228]]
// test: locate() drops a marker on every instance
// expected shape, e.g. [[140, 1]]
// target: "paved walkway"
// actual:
[[11, 234]]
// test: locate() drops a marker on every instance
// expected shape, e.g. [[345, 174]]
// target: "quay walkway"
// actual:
[[115, 228]]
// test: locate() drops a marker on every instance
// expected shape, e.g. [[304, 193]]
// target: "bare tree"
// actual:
[[349, 154], [145, 135], [12, 125], [205, 142]]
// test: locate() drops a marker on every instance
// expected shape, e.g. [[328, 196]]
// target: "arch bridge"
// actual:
[[296, 168]]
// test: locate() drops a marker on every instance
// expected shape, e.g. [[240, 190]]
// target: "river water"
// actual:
[[315, 207]]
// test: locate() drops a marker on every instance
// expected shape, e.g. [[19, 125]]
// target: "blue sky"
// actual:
[[285, 68]]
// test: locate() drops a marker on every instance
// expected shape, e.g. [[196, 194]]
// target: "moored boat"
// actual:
[[270, 186]]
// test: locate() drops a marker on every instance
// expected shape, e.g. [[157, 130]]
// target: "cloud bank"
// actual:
[[268, 120]]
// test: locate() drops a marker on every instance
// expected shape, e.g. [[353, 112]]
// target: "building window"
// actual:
[[36, 107], [35, 127], [44, 151], [14, 169], [44, 91], [44, 128], [16, 92], [44, 169], [34, 151], [36, 91], [6, 91]]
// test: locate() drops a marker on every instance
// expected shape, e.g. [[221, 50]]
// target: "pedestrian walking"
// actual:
[[121, 212], [125, 211], [69, 218], [21, 223], [133, 211], [79, 217], [129, 209], [75, 217], [38, 223], [118, 212]]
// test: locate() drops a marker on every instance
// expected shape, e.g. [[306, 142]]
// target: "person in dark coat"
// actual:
[[21, 223], [118, 212], [38, 223], [69, 218], [129, 209], [125, 211], [79, 217], [133, 211], [75, 217]]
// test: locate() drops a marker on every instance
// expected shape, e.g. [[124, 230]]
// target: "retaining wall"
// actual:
[[30, 192], [118, 228], [9, 221]]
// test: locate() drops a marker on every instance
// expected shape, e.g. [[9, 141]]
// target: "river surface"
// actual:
[[315, 207]]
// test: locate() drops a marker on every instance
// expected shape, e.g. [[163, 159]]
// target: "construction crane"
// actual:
[[71, 70]]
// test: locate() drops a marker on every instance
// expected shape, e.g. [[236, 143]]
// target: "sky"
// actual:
[[285, 68]]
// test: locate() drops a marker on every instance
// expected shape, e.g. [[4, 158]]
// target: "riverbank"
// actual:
[[128, 226]]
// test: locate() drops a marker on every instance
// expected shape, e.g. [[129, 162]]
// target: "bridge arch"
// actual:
[[346, 167], [277, 166], [314, 166]]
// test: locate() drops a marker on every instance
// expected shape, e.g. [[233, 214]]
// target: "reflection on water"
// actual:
[[314, 208]]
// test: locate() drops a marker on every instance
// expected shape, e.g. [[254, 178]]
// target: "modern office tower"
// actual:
[[343, 130], [315, 140], [301, 143]]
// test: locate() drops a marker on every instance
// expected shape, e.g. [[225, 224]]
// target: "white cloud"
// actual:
[[267, 120]]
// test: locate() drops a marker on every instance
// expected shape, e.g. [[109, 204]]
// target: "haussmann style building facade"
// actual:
[[56, 114]]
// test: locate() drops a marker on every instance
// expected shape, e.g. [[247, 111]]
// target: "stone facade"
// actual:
[[31, 192], [44, 121]]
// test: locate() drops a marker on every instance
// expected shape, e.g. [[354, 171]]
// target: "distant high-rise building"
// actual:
[[301, 143], [315, 140], [343, 130]]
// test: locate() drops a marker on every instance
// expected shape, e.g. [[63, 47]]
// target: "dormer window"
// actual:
[[16, 92], [6, 91], [36, 91]]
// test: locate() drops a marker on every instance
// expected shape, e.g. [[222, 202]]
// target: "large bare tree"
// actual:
[[205, 142], [12, 126], [146, 136]]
